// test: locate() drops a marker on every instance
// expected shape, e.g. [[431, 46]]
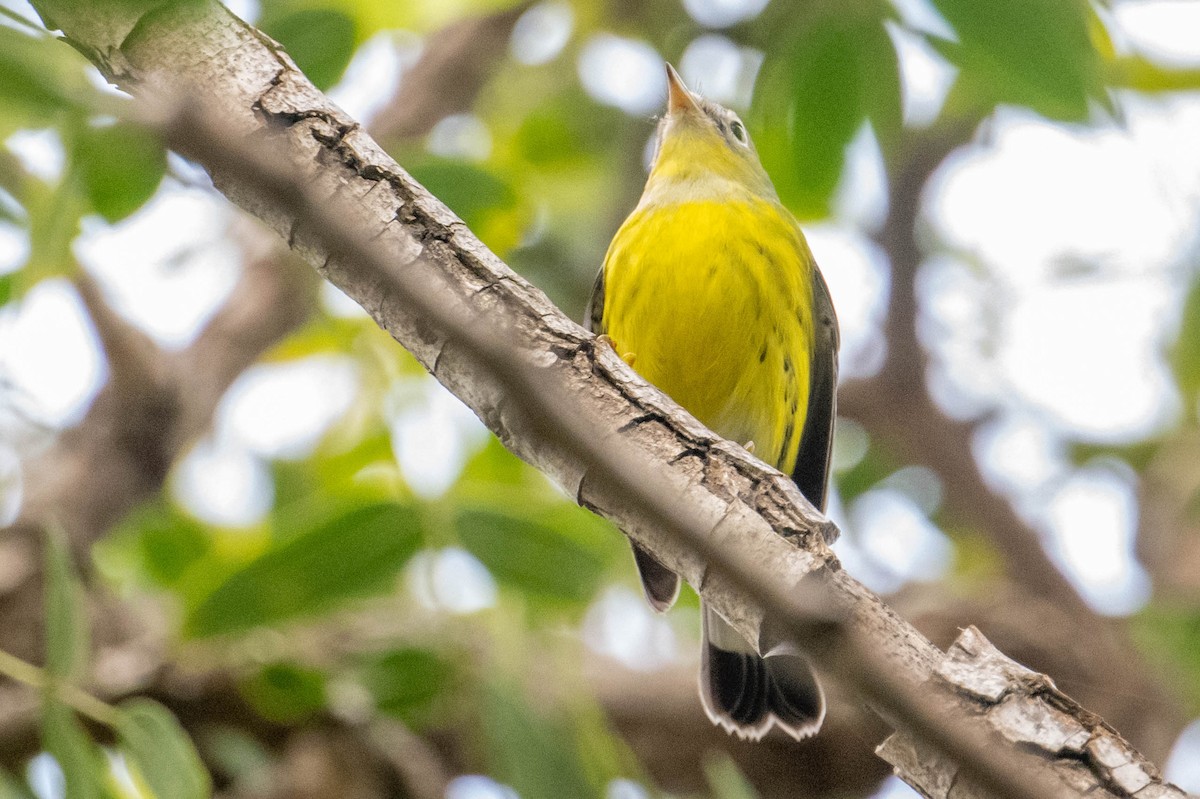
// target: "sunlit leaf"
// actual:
[[162, 751], [355, 554], [79, 758], [1144, 75], [320, 41], [532, 754], [67, 634], [1036, 53], [121, 166], [530, 556], [39, 76], [405, 681], [285, 692]]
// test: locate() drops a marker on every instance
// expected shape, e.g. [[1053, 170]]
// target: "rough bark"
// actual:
[[713, 510]]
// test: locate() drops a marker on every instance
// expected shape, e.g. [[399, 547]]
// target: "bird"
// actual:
[[710, 292]]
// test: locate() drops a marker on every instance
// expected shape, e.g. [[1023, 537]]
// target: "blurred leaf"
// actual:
[[38, 75], [1138, 454], [79, 758], [121, 166], [873, 467], [12, 788], [482, 199], [171, 542], [493, 464], [1185, 355], [237, 754], [164, 754], [1036, 53], [530, 556], [1168, 635], [6, 288], [157, 545], [532, 754], [725, 778], [840, 70], [406, 681], [67, 634], [353, 555], [1143, 75], [286, 693], [320, 41]]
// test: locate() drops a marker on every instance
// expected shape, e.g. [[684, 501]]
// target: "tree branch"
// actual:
[[726, 522]]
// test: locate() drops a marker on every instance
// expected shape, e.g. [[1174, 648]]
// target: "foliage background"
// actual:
[[331, 582]]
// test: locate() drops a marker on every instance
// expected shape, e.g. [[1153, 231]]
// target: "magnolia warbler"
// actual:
[[710, 292]]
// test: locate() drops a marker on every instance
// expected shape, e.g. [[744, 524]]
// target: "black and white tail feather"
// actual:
[[747, 694]]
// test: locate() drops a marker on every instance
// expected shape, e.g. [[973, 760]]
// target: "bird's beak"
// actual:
[[679, 99]]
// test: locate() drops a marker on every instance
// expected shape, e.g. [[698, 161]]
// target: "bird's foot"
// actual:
[[627, 357], [749, 447]]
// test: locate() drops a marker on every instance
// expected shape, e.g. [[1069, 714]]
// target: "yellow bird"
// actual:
[[710, 292]]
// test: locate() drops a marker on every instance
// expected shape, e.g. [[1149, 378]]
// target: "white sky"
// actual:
[[1082, 234]]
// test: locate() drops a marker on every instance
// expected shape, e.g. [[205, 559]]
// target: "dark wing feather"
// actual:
[[593, 314], [812, 463], [660, 584]]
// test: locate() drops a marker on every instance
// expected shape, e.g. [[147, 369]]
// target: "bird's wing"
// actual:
[[660, 584], [812, 462], [593, 315]]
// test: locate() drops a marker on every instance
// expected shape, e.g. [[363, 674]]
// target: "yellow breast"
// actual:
[[713, 298]]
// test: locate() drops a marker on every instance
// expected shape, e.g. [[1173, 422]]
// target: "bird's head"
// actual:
[[701, 145]]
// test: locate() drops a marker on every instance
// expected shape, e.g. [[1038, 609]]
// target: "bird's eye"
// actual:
[[738, 131]]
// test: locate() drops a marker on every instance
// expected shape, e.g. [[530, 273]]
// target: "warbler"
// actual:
[[709, 290]]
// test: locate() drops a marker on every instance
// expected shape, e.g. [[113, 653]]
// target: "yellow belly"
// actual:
[[714, 300]]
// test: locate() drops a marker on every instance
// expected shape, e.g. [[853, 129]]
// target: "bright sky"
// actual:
[[1082, 234]]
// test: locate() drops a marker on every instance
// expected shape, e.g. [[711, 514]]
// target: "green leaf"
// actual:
[[320, 41], [162, 751], [355, 554], [405, 681], [67, 633], [1168, 635], [470, 191], [725, 778], [1185, 355], [285, 692], [840, 70], [1036, 53], [121, 166], [37, 76], [873, 467], [532, 754], [12, 788], [530, 556], [79, 758]]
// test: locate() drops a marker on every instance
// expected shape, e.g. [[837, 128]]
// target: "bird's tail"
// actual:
[[746, 693]]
